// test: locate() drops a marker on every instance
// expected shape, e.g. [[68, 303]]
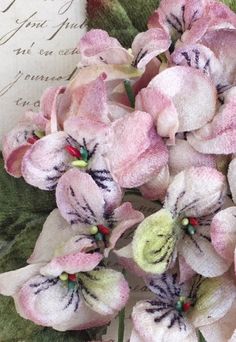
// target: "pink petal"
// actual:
[[47, 100], [90, 100], [217, 137], [156, 188], [199, 57], [11, 282], [223, 233], [97, 47], [55, 232], [46, 161], [149, 44], [198, 250], [162, 109], [196, 192], [79, 199], [193, 95], [126, 217], [135, 337], [231, 178], [145, 319], [140, 152], [185, 270], [183, 156], [222, 329], [223, 44], [72, 263], [151, 70]]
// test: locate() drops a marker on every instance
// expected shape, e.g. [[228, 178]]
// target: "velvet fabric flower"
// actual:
[[183, 225], [64, 287], [179, 309]]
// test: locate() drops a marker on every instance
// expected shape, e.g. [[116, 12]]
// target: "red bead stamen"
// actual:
[[32, 140], [72, 277], [193, 221], [104, 230], [186, 306], [73, 151]]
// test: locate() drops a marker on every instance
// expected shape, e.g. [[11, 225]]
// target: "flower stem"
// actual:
[[121, 328], [200, 337], [130, 93]]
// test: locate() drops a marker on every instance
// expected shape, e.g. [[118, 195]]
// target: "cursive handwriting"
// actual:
[[66, 24], [65, 7], [8, 6], [26, 23]]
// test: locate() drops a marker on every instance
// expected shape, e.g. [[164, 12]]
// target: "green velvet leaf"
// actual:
[[230, 3], [23, 210], [120, 18]]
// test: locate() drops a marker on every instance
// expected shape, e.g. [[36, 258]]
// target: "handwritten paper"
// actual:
[[38, 40]]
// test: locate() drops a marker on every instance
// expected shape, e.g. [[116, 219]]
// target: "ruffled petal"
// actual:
[[196, 192], [183, 156], [90, 100], [55, 232], [219, 136], [154, 242], [125, 217], [155, 318], [79, 199], [185, 271], [104, 290], [223, 233], [197, 250], [193, 95], [156, 188], [214, 299], [15, 146], [231, 178], [161, 107], [47, 301], [11, 282], [112, 192], [199, 57], [221, 330], [46, 161], [149, 44], [140, 153], [97, 47]]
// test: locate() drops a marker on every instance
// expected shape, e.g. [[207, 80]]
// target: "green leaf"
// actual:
[[122, 19], [230, 3]]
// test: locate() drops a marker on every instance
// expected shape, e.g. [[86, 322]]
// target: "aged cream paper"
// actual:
[[38, 40]]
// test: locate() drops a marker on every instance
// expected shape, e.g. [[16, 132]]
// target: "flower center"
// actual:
[[81, 156], [35, 137], [189, 225], [183, 304], [69, 280]]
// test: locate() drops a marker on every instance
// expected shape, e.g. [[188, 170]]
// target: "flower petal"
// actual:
[[193, 94], [221, 330], [104, 290], [140, 153], [183, 156], [223, 233], [149, 44], [214, 299], [55, 231], [47, 301], [11, 282], [154, 242], [126, 217], [196, 192], [79, 199], [186, 272], [97, 47], [46, 161], [231, 178], [198, 250], [217, 137], [155, 318], [156, 188]]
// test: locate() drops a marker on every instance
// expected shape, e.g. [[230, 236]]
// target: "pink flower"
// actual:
[[64, 287], [179, 309]]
